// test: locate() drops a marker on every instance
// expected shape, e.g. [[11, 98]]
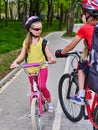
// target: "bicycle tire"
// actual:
[[35, 116], [73, 112], [95, 116]]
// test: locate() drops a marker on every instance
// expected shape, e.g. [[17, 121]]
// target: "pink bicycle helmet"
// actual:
[[91, 6], [31, 20]]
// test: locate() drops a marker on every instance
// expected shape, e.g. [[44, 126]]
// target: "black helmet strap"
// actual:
[[33, 35], [87, 17]]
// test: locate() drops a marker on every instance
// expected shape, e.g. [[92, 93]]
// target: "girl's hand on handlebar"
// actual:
[[14, 65], [52, 61]]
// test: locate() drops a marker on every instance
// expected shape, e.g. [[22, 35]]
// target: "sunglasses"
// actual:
[[36, 29]]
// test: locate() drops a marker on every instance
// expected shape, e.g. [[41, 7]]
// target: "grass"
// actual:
[[5, 61], [72, 35], [11, 39]]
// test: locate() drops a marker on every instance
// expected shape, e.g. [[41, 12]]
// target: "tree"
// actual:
[[50, 12], [24, 11], [54, 9], [11, 5], [70, 17], [6, 12], [0, 9], [31, 3], [61, 17], [61, 9], [18, 4]]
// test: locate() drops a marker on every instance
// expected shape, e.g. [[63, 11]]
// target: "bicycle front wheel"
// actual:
[[68, 86], [35, 115]]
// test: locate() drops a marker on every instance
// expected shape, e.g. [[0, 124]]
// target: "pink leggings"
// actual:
[[41, 80]]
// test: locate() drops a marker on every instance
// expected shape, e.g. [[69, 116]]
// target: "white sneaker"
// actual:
[[50, 107]]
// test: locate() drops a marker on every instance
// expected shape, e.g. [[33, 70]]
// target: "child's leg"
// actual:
[[42, 78], [79, 98], [81, 80], [31, 82]]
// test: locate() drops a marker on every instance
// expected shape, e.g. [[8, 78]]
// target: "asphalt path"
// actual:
[[14, 102]]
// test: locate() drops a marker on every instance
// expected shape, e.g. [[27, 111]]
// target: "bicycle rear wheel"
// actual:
[[95, 116], [35, 115], [67, 88]]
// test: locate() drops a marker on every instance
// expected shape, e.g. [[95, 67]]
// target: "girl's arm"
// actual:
[[19, 59], [71, 46], [49, 55]]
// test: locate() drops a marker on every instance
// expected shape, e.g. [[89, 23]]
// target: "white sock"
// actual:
[[81, 93], [50, 104]]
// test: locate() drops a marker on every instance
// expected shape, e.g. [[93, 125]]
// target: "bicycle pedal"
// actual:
[[85, 117], [29, 94]]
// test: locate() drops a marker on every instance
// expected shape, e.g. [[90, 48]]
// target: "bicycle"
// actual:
[[37, 101], [68, 86]]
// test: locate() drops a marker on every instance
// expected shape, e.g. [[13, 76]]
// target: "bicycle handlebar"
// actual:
[[76, 56], [28, 65], [31, 65], [78, 53]]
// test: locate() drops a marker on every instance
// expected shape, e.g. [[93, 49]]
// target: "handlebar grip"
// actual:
[[31, 65]]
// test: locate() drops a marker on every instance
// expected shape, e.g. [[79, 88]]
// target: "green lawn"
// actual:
[[11, 37]]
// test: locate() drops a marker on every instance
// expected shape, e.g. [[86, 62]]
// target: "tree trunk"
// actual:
[[0, 10], [24, 11], [38, 8], [50, 12], [32, 7], [11, 10], [51, 17], [19, 16], [61, 18], [70, 18], [6, 14]]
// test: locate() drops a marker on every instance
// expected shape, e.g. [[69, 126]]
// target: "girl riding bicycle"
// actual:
[[32, 46], [90, 11]]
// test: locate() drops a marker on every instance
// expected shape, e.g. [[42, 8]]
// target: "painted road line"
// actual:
[[10, 81], [58, 113]]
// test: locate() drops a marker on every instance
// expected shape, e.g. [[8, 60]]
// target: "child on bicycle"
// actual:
[[90, 11], [32, 46]]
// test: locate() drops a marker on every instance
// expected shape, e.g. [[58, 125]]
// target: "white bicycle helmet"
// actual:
[[31, 20], [91, 6]]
